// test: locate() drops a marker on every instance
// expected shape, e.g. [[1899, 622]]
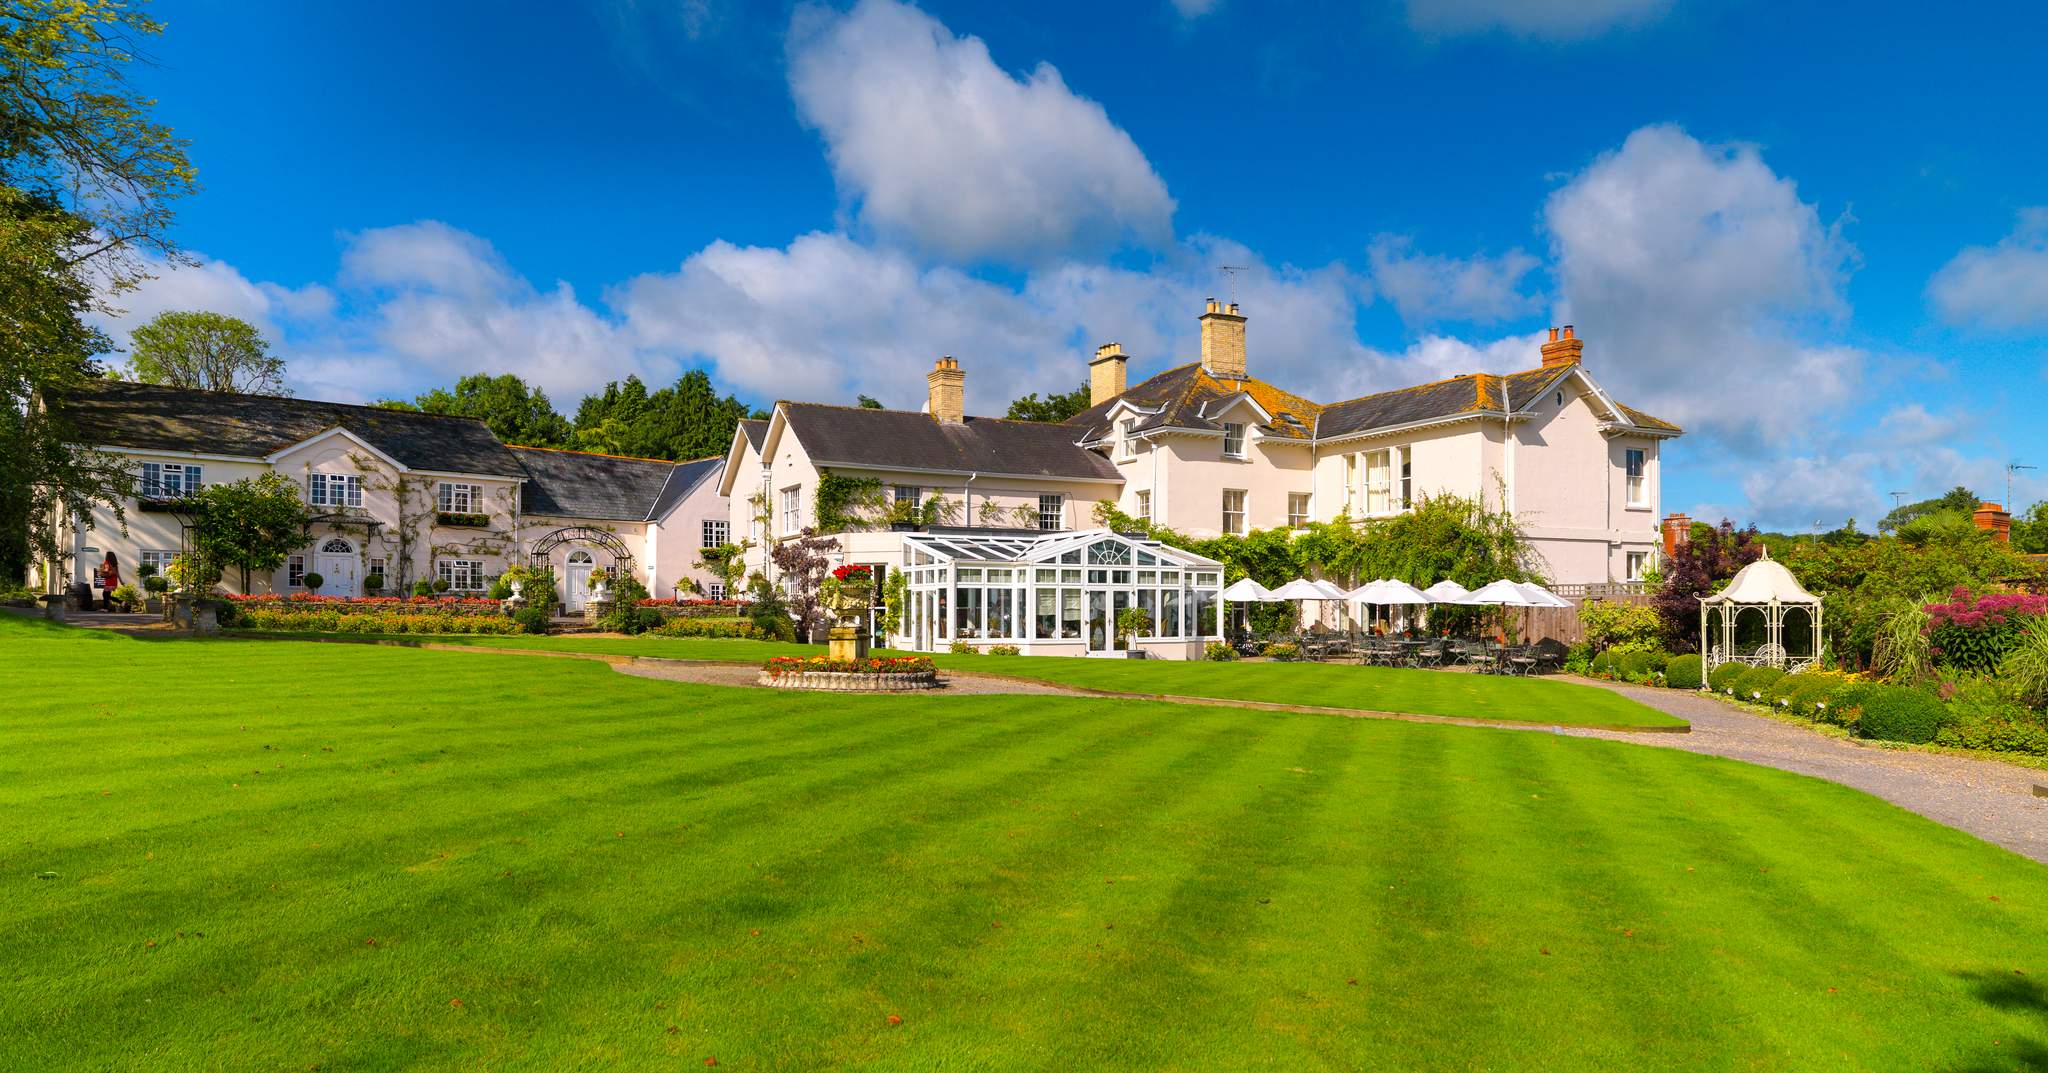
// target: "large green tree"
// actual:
[[204, 350], [1957, 500], [517, 413], [1055, 407], [87, 179], [253, 523], [687, 419]]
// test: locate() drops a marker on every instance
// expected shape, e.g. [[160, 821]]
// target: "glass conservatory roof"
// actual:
[[1094, 547]]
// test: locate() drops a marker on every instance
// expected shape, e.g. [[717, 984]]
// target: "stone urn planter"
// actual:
[[200, 614]]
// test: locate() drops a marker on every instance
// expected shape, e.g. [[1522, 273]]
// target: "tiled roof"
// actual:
[[1181, 392], [682, 480], [1184, 394], [117, 413], [905, 439], [574, 484]]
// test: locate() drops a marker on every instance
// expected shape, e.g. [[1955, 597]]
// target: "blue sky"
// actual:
[[1817, 241]]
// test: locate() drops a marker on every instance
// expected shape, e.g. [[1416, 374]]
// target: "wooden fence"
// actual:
[[1562, 623]]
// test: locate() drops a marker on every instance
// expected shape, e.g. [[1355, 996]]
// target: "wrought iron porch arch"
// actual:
[[580, 534]]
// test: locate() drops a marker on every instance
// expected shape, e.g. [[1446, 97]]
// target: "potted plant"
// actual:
[[312, 581], [1131, 624], [155, 585], [373, 584], [601, 586], [514, 578], [849, 592], [127, 596]]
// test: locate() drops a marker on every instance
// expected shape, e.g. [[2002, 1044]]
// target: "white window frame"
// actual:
[[1233, 433], [1145, 503], [714, 533], [170, 480], [456, 571], [295, 572], [158, 558], [1234, 520], [453, 497], [1126, 440], [714, 590], [1635, 468], [792, 510], [334, 490], [381, 567], [1052, 512], [1379, 482], [1297, 510], [907, 493], [1635, 563]]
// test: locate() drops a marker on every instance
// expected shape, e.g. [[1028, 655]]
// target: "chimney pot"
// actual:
[[1106, 373], [1994, 519], [946, 391], [1223, 354], [1562, 350]]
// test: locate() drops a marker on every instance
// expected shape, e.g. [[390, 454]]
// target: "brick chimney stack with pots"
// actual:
[[1995, 520], [1562, 350], [1677, 531], [946, 385], [1223, 341], [1106, 373]]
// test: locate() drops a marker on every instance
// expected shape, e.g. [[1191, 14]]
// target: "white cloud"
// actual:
[[1695, 274], [211, 286], [2003, 286], [939, 148], [1554, 20], [1426, 288], [428, 255]]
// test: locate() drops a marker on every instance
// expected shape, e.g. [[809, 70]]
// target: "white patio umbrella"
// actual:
[[1302, 589], [1247, 591], [1447, 592], [1503, 592], [1541, 596], [1389, 592]]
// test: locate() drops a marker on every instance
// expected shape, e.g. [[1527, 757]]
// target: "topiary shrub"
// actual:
[[423, 587], [1779, 695], [1751, 684], [1805, 693], [531, 619], [1722, 679], [1603, 664], [1900, 713], [1844, 703], [1683, 672]]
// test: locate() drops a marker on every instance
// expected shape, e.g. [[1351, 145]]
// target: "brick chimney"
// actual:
[[1677, 530], [1223, 341], [1562, 350], [946, 385], [1994, 519], [1106, 373]]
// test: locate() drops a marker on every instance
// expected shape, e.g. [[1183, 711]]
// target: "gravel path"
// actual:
[[1991, 800]]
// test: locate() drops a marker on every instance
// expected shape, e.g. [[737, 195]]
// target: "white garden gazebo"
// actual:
[[1764, 618]]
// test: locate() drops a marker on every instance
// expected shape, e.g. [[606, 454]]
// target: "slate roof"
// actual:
[[756, 431], [578, 485], [683, 478], [906, 439], [1186, 397], [117, 413]]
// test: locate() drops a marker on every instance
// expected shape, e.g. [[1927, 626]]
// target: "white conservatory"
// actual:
[[1056, 593]]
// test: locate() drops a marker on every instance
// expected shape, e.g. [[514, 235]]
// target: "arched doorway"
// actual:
[[574, 576], [335, 561], [576, 580]]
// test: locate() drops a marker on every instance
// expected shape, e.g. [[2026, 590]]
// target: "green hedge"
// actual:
[[1804, 691], [1898, 713], [1756, 680], [1683, 672], [264, 618], [1603, 662], [1722, 679], [708, 627]]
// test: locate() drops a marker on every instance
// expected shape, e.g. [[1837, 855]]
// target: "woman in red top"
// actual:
[[110, 579]]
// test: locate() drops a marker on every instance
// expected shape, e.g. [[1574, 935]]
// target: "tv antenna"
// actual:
[[1897, 497], [2010, 469], [1231, 271]]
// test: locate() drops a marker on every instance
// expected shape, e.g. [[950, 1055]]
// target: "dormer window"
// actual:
[[1127, 442], [1233, 439]]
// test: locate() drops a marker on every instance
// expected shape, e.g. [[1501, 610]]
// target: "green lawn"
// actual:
[[230, 855], [1387, 689]]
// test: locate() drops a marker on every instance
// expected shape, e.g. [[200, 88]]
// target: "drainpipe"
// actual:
[[1507, 413], [967, 495]]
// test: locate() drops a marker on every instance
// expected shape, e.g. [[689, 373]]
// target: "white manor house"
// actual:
[[991, 520], [1204, 448]]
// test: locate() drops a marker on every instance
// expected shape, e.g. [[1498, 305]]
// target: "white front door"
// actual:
[[337, 574], [576, 585]]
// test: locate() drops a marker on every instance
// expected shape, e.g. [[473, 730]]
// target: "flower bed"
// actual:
[[322, 620], [895, 674], [698, 608], [369, 605]]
